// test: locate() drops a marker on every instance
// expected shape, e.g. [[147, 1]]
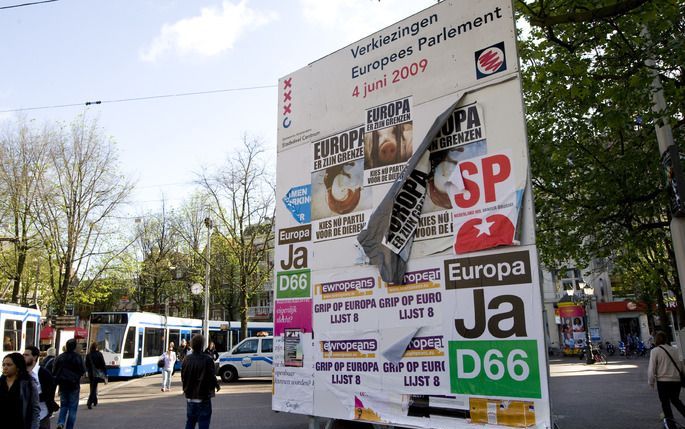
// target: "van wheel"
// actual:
[[228, 374]]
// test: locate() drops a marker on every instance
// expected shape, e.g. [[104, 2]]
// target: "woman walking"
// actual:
[[664, 370], [169, 361], [95, 364], [19, 406]]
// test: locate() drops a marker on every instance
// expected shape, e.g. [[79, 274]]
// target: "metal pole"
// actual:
[[664, 136], [205, 323], [589, 359]]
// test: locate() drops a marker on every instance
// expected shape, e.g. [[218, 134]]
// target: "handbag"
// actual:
[[682, 376], [99, 374], [160, 363]]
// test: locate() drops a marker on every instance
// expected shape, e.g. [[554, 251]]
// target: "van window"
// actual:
[[267, 345], [249, 346]]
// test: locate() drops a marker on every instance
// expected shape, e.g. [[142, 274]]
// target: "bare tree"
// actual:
[[242, 198], [23, 152], [81, 194]]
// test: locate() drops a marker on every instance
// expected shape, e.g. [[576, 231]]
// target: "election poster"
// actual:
[[405, 268]]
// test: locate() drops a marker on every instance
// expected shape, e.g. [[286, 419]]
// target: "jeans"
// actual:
[[68, 403], [166, 379], [93, 397], [200, 413]]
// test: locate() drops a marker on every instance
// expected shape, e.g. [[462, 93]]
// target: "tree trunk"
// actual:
[[244, 305]]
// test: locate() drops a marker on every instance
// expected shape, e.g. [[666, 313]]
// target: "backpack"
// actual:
[[67, 378]]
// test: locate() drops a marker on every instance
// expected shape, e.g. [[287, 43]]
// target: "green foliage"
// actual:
[[598, 183]]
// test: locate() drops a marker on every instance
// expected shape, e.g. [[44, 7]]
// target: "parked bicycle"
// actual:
[[597, 355]]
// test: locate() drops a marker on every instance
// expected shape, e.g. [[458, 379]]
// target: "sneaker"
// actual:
[[162, 389], [60, 426]]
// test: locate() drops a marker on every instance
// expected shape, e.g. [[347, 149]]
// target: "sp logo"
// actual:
[[490, 60]]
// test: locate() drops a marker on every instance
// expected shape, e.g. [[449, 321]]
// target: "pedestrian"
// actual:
[[97, 371], [199, 384], [49, 359], [211, 351], [68, 370], [183, 349], [18, 395], [45, 383], [665, 371], [169, 358]]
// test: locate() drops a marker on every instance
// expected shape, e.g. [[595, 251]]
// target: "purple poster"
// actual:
[[293, 314]]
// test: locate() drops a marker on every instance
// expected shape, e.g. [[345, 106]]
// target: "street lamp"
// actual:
[[584, 300], [205, 323]]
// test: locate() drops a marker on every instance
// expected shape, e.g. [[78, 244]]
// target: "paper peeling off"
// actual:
[[396, 350]]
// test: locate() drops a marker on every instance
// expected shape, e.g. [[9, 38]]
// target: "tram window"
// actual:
[[130, 343], [219, 339], [195, 332], [174, 337], [12, 338], [30, 334], [154, 342]]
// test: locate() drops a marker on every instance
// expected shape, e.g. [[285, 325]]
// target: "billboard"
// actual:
[[407, 286]]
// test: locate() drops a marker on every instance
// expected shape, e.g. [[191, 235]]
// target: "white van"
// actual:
[[252, 357]]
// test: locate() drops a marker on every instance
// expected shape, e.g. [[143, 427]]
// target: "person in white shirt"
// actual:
[[169, 361], [664, 371], [45, 385]]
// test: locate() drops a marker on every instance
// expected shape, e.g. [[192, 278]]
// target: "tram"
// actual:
[[132, 342], [20, 328]]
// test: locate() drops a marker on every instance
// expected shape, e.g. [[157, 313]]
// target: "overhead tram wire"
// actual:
[[27, 4], [151, 97]]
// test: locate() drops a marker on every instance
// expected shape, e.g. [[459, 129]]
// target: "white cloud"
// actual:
[[356, 19], [214, 31]]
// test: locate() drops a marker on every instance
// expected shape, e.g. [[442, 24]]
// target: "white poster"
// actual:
[[455, 339]]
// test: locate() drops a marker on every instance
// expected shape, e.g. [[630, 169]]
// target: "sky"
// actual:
[[73, 51]]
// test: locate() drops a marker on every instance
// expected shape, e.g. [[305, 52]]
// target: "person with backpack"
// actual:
[[46, 386], [199, 384], [97, 371], [49, 360], [666, 371], [68, 370]]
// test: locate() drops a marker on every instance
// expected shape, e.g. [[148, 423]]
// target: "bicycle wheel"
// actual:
[[602, 359]]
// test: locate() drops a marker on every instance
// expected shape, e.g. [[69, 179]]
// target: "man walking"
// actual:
[[46, 385], [68, 371], [199, 384]]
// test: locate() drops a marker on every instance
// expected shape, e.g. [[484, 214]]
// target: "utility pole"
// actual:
[[664, 136], [208, 224]]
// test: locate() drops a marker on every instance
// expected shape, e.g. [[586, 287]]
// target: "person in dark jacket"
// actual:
[[95, 364], [49, 360], [18, 394], [199, 384], [68, 370], [46, 386], [211, 351]]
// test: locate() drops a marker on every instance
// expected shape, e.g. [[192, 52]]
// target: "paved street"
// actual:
[[597, 396], [139, 403], [609, 396]]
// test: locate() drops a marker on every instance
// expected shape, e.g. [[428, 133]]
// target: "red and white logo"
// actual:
[[490, 60], [486, 211]]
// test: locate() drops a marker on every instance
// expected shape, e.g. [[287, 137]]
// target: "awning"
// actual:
[[621, 307], [79, 333]]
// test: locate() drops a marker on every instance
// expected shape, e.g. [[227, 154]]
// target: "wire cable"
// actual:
[[151, 97], [27, 4]]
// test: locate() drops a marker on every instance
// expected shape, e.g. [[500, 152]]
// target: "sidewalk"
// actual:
[[613, 396]]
